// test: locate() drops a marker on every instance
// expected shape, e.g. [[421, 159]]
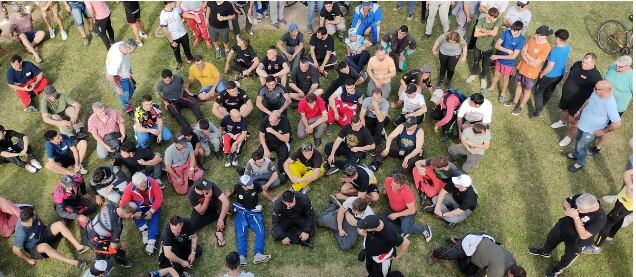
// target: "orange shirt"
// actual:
[[536, 51]]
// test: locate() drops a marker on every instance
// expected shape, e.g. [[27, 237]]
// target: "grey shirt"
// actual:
[[366, 104], [492, 256], [469, 135], [174, 157], [291, 42], [253, 170], [172, 91], [450, 48]]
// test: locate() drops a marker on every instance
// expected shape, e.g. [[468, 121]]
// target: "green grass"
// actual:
[[521, 181]]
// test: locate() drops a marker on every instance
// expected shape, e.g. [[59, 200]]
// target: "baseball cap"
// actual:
[[350, 170], [462, 180], [544, 30], [203, 184], [67, 181], [437, 96], [50, 90], [245, 180], [624, 61], [292, 27], [99, 267], [353, 32], [427, 69], [410, 122], [306, 147], [523, 2], [181, 139], [365, 3], [369, 222]]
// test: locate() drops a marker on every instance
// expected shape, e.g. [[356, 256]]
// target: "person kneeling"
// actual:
[[343, 219], [358, 181], [293, 219]]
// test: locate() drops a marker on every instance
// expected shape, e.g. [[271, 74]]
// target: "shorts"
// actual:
[[30, 35], [48, 238], [79, 12], [373, 188], [219, 88], [133, 12], [65, 161], [526, 83], [219, 34], [570, 106], [504, 69]]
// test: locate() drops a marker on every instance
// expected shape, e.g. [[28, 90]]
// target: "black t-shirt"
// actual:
[[446, 175], [282, 128], [196, 199], [353, 74], [383, 241], [225, 9], [131, 163], [292, 42], [232, 127], [335, 11], [273, 67], [304, 80], [467, 199], [11, 137], [183, 240], [321, 46], [247, 199], [580, 83], [355, 138], [314, 162], [194, 140], [593, 223], [230, 102], [244, 56], [363, 181]]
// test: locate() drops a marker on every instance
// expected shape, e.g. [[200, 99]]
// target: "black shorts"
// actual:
[[133, 12], [65, 161], [48, 238], [570, 106], [373, 188]]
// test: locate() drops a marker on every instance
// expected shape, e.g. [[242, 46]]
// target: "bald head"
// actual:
[[603, 89], [274, 117], [235, 115]]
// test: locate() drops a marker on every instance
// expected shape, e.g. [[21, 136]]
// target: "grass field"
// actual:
[[521, 181]]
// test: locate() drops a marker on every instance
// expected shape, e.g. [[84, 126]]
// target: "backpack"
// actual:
[[452, 131], [457, 93]]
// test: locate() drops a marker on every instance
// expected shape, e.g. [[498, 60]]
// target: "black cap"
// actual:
[[369, 222], [544, 31], [410, 122], [203, 184], [307, 147]]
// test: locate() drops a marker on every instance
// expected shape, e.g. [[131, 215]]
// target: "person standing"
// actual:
[[219, 14], [276, 13], [519, 12], [79, 12], [100, 13], [380, 240], [311, 7], [508, 47], [553, 72], [485, 32], [119, 71], [451, 49], [175, 32], [196, 21], [133, 17], [54, 8]]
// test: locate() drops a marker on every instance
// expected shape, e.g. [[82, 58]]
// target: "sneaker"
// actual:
[[438, 84], [282, 177], [276, 25], [484, 85], [238, 76], [83, 170], [334, 200], [553, 272], [332, 170], [501, 100], [52, 33], [243, 260], [397, 8], [83, 250], [406, 236], [260, 258], [125, 264], [565, 141], [609, 240], [178, 66], [307, 244], [538, 252], [428, 234], [86, 42], [144, 236], [80, 134], [373, 153], [450, 225], [240, 170], [574, 167], [36, 164], [429, 208], [228, 160], [409, 18], [471, 78], [340, 35], [235, 160], [305, 190], [139, 44], [64, 35], [143, 35], [161, 185], [217, 53], [317, 142], [81, 264], [591, 249], [30, 168], [610, 199], [595, 151], [509, 103], [517, 110], [426, 36], [150, 247], [558, 124], [31, 109], [537, 115], [251, 33]]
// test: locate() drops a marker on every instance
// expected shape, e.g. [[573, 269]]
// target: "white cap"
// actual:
[[245, 180], [462, 180], [437, 96]]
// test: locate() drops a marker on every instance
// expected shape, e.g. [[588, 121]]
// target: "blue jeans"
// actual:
[[311, 6], [219, 88], [243, 221], [411, 6], [407, 224], [358, 61], [583, 141], [128, 89], [152, 224], [363, 25], [143, 138]]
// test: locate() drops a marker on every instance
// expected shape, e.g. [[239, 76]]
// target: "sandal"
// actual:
[[220, 241]]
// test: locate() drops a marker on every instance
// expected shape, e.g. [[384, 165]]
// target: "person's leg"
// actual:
[[452, 62], [370, 88], [184, 41], [432, 13], [456, 151], [614, 223], [328, 217], [444, 7], [240, 232], [443, 67], [54, 254], [408, 226], [572, 251], [472, 160], [273, 12], [100, 151], [101, 30], [583, 142], [282, 153], [143, 139], [81, 149], [177, 51], [297, 169], [29, 46], [257, 224], [386, 90], [550, 89], [553, 238], [59, 228], [539, 91], [174, 108], [56, 15], [449, 253], [78, 20], [412, 8], [485, 65], [193, 104]]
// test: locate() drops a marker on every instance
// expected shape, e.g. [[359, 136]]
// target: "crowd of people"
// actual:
[[292, 77]]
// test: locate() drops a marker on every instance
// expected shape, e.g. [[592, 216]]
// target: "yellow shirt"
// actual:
[[625, 199], [206, 77]]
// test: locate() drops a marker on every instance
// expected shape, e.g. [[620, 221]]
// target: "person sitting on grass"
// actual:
[[139, 160], [399, 44], [303, 167], [406, 142], [232, 98], [274, 135], [242, 58], [273, 64], [181, 164], [374, 113], [71, 200], [321, 51], [16, 148], [357, 54], [263, 173], [108, 182], [248, 216], [179, 245], [149, 123], [208, 77], [293, 219], [63, 151], [478, 250], [28, 80], [148, 198], [313, 117], [21, 28], [34, 241], [168, 271], [304, 79], [103, 234], [61, 111], [292, 45], [108, 130], [233, 264], [403, 207], [343, 219], [176, 96], [343, 104], [455, 202], [414, 105], [474, 143], [209, 136], [431, 175], [234, 130], [358, 181], [272, 96], [353, 142], [209, 204], [475, 109], [199, 153]]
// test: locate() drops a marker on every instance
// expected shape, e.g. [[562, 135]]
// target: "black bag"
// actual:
[[113, 141]]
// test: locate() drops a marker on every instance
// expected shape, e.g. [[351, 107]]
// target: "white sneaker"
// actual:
[[144, 236], [610, 199], [36, 164], [484, 83], [143, 35], [565, 141], [471, 78], [150, 247], [64, 35], [83, 170], [628, 220], [30, 168], [558, 124], [52, 33]]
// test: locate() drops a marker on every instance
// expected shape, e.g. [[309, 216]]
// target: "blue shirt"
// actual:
[[558, 55], [512, 43], [60, 150], [597, 113], [28, 72]]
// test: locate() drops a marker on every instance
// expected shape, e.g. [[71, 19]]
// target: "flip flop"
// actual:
[[219, 241]]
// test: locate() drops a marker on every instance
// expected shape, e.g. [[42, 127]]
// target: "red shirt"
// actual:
[[398, 199], [319, 107]]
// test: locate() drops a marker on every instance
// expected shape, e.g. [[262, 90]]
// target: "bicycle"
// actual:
[[613, 37]]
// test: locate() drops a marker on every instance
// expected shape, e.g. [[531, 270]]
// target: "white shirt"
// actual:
[[412, 104], [172, 20], [500, 5], [513, 14], [483, 113], [117, 64], [348, 217]]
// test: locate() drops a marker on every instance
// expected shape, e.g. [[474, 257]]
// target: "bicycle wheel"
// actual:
[[159, 32], [611, 36]]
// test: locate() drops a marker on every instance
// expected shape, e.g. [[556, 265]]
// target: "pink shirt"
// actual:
[[96, 125], [100, 9], [400, 198], [452, 104]]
